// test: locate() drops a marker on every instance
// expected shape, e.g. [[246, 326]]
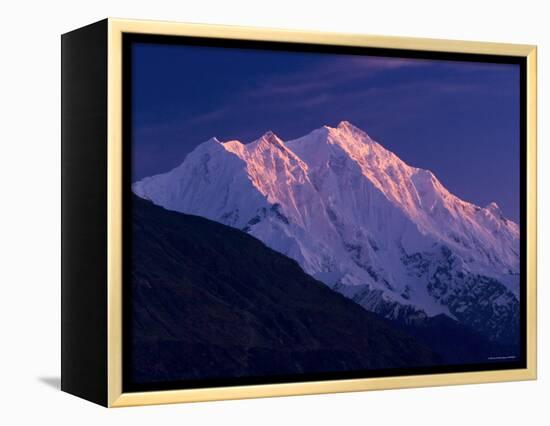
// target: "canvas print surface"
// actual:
[[303, 215]]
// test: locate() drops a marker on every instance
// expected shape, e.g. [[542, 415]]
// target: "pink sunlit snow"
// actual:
[[350, 212]]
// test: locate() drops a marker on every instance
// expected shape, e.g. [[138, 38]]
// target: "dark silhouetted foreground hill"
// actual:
[[212, 302]]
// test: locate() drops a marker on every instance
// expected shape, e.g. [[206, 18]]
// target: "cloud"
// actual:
[[332, 71], [342, 83], [383, 63]]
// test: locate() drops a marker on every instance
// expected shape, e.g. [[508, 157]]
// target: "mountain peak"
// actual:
[[267, 140], [211, 145], [346, 125], [213, 139], [270, 136], [494, 208], [351, 132]]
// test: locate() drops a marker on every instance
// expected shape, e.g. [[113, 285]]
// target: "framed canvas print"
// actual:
[[250, 212]]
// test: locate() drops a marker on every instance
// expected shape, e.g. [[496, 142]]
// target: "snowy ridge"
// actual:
[[358, 218]]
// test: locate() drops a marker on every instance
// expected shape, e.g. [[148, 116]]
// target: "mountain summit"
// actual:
[[386, 234]]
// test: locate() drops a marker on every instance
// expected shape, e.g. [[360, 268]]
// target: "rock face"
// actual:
[[212, 302], [356, 217]]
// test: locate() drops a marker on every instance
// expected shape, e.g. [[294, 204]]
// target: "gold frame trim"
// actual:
[[116, 398]]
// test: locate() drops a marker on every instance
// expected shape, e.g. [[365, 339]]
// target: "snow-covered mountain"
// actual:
[[355, 216]]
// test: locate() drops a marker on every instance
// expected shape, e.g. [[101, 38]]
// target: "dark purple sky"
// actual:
[[458, 119]]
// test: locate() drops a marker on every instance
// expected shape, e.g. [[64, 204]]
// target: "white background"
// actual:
[[30, 199]]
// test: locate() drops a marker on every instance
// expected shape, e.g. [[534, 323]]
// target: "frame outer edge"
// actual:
[[84, 353], [116, 398], [318, 37], [114, 212], [532, 212]]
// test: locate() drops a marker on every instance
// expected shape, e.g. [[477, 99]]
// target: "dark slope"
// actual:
[[210, 301], [455, 343]]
